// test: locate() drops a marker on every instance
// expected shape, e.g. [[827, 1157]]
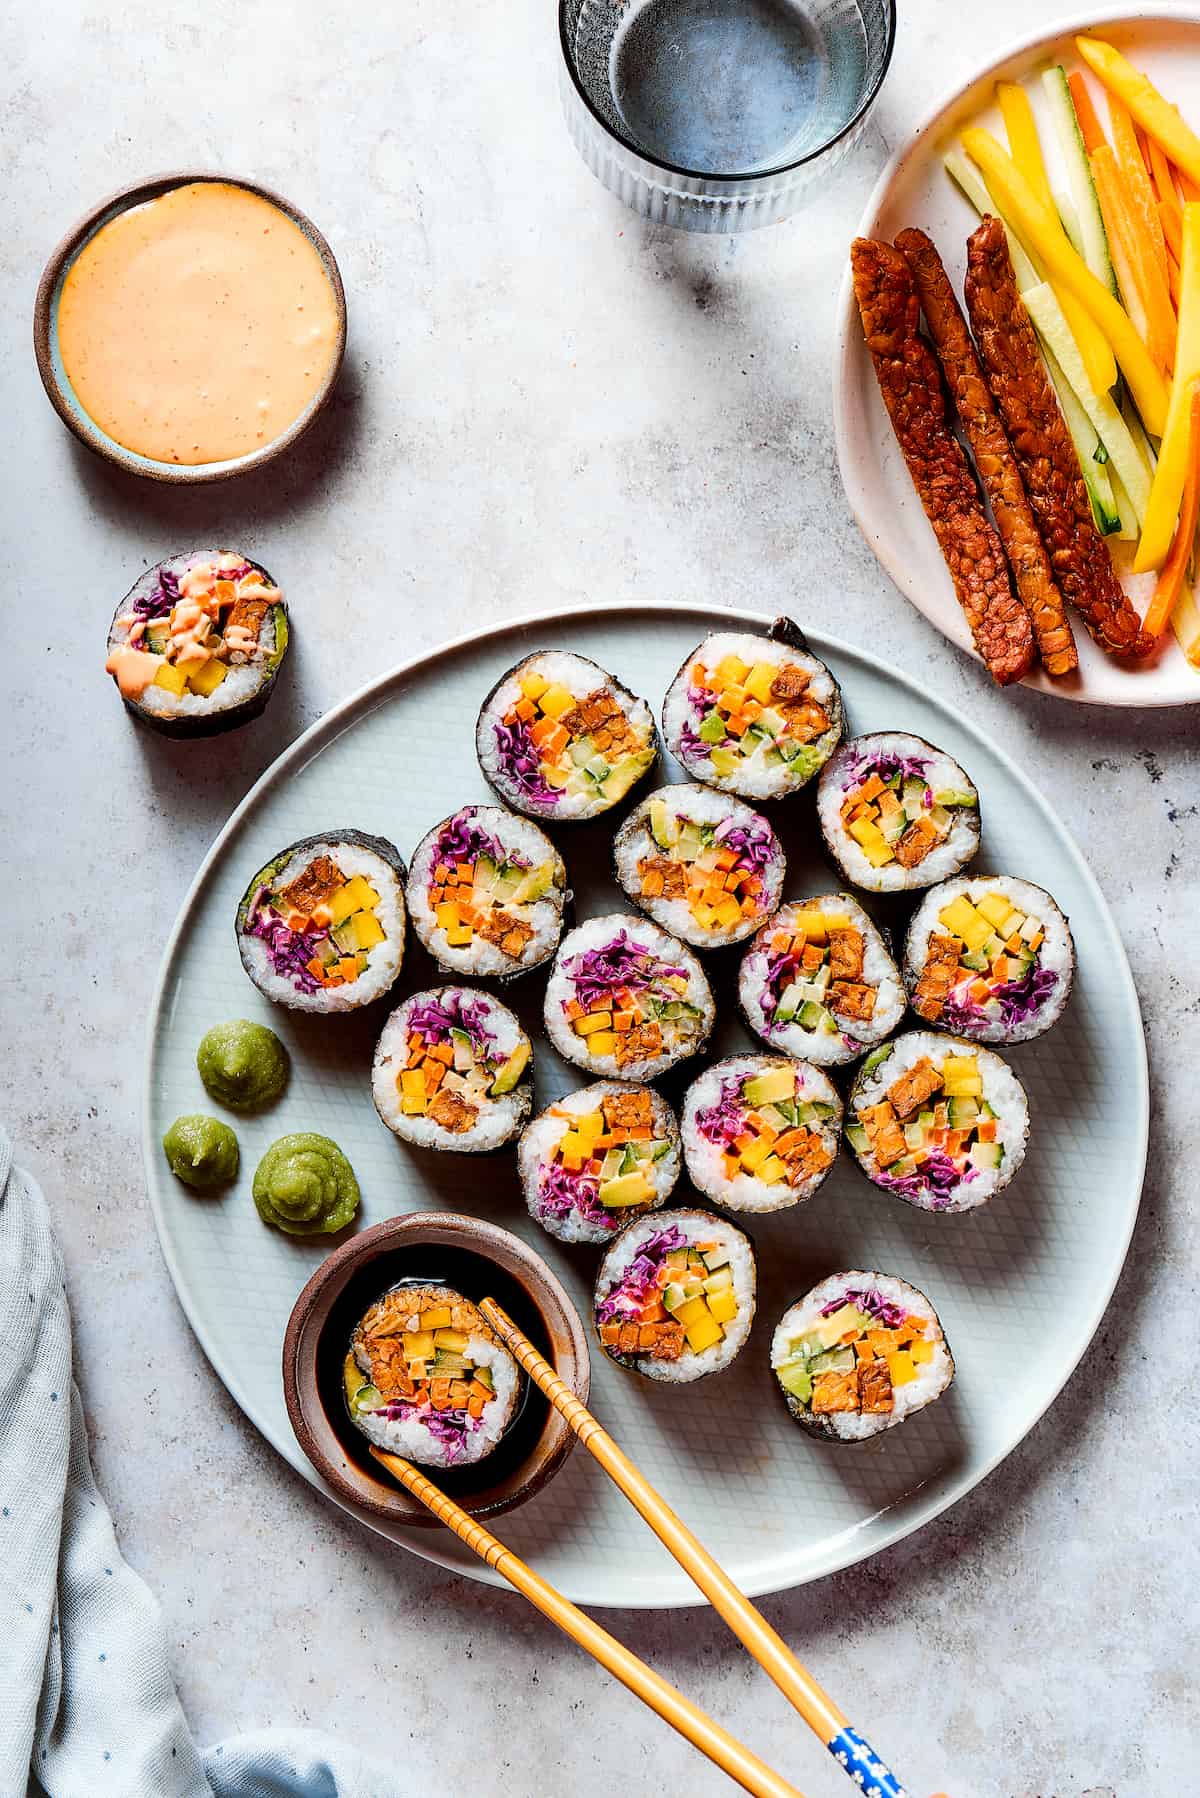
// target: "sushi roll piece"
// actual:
[[703, 865], [321, 926], [196, 645], [991, 959], [675, 1295], [486, 892], [896, 813], [625, 1001], [754, 715], [559, 738], [938, 1121], [424, 1377], [597, 1158], [453, 1071], [819, 982], [858, 1354], [760, 1132]]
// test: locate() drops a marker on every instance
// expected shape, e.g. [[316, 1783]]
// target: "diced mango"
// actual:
[[901, 1367], [357, 895], [604, 1042], [446, 915], [868, 835], [921, 1351], [592, 1021], [730, 671], [555, 777], [172, 678], [573, 1149], [772, 1171], [961, 917], [722, 1305], [418, 1344], [728, 913], [438, 1317], [412, 1107], [206, 679], [590, 1125], [459, 935], [367, 930], [759, 681], [994, 907], [704, 1333], [556, 700], [412, 1083], [753, 1157], [532, 684]]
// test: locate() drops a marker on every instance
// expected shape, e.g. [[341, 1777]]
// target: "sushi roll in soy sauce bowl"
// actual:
[[703, 865], [858, 1354], [451, 1397], [597, 1158], [896, 813], [196, 646], [625, 1001], [819, 982], [321, 927], [453, 1070], [760, 1132], [991, 959], [486, 892], [675, 1296]]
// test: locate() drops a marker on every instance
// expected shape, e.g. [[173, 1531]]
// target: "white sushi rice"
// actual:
[[499, 1119], [409, 1437], [696, 805], [383, 961], [755, 780], [942, 773], [855, 1035], [1056, 952], [479, 959], [1001, 1088], [697, 1227], [560, 987], [541, 1137], [581, 677], [705, 1160], [933, 1376]]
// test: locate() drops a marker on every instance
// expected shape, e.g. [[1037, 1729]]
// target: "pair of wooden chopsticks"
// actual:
[[827, 1721]]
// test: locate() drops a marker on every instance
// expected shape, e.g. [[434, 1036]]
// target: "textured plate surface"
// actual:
[[915, 189], [1020, 1286]]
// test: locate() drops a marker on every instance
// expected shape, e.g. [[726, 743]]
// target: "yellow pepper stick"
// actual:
[[1162, 508], [1157, 117], [1174, 569], [1023, 142], [1044, 232]]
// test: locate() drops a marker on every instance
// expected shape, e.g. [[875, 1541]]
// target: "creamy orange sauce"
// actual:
[[198, 326]]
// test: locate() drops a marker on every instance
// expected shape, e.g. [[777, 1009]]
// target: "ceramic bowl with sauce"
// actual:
[[478, 1260], [190, 327]]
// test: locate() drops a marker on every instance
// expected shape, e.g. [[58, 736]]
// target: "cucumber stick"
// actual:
[[1127, 530], [1092, 455], [1093, 236], [1100, 408], [1070, 222], [972, 184]]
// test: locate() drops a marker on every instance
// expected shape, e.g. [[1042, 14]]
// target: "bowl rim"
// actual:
[[76, 417], [492, 1243], [749, 175]]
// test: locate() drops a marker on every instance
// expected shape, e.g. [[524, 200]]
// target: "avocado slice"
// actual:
[[627, 1189], [512, 1070], [765, 1089], [534, 885], [797, 1380], [664, 826]]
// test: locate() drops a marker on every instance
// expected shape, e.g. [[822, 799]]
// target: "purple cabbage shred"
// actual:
[[290, 951], [619, 963], [754, 844], [438, 1017], [935, 1182], [723, 1122], [561, 1192], [1018, 1000], [521, 763], [463, 840], [872, 1302], [641, 1276], [887, 765], [449, 1428]]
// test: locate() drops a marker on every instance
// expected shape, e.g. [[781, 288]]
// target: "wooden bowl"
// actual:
[[480, 1261], [59, 390]]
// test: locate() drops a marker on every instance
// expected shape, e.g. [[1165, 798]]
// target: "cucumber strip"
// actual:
[[1110, 426], [1128, 530], [1079, 174], [1137, 430], [1089, 449], [972, 184], [1070, 222]]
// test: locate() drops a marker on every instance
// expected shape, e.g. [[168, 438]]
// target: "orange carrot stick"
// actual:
[[1174, 569], [1085, 112], [1136, 179], [1134, 258]]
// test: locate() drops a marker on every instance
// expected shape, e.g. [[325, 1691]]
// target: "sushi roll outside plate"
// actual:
[[938, 1121], [991, 959], [558, 738], [896, 813], [703, 865], [755, 715], [858, 1354], [486, 891], [321, 927], [675, 1295], [452, 1071], [597, 1158], [760, 1132], [424, 1377], [819, 982], [625, 1001]]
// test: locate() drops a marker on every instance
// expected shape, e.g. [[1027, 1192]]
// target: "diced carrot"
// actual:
[[475, 1405], [640, 1133], [726, 860], [574, 1009], [525, 709], [781, 942], [297, 921], [870, 789], [346, 968], [652, 883], [443, 1052], [749, 905], [737, 724], [699, 674], [732, 1166], [435, 1073], [316, 968], [622, 1021], [479, 1390], [1085, 112], [751, 709], [985, 1129], [655, 1313], [790, 1141]]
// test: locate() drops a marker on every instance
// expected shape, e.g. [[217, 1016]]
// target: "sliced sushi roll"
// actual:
[[991, 958], [597, 1158], [321, 926], [197, 643], [424, 1377], [626, 1001], [559, 738], [675, 1295], [701, 864], [453, 1071], [819, 982], [858, 1354], [755, 715], [760, 1132], [486, 892], [937, 1121], [896, 813]]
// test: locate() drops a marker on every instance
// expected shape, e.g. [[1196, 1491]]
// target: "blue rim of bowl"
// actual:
[[730, 180], [62, 395]]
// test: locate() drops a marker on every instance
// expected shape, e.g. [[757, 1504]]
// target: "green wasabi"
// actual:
[[201, 1151], [305, 1185], [242, 1065]]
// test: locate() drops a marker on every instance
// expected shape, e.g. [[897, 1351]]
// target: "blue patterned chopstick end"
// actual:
[[873, 1778]]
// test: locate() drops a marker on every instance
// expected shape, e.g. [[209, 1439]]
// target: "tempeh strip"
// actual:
[[1045, 454], [993, 454], [911, 385]]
